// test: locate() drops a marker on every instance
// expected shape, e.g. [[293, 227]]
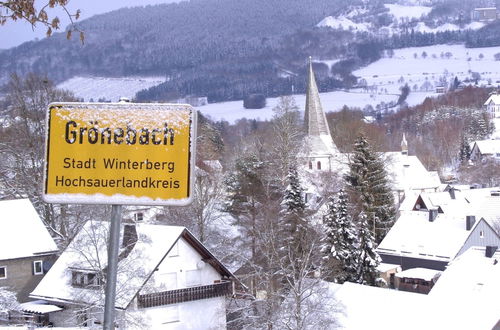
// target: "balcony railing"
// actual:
[[183, 295]]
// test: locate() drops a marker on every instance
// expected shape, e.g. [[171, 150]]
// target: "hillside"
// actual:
[[226, 49], [171, 39]]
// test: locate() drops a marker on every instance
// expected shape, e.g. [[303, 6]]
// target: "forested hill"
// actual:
[[167, 39]]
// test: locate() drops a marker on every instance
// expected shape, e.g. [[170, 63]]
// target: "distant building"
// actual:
[[484, 14], [492, 105], [166, 279], [438, 227], [26, 248], [485, 149]]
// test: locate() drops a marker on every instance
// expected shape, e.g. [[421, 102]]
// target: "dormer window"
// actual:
[[86, 279]]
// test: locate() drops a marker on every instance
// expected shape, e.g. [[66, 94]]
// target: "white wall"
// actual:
[[183, 268], [199, 314]]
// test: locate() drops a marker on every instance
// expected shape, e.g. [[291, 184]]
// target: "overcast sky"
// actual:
[[15, 33]]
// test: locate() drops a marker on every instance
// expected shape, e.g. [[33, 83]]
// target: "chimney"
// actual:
[[452, 193], [470, 220], [433, 213], [490, 251]]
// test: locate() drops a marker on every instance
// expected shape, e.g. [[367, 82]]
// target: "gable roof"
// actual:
[[23, 233], [487, 147], [413, 235], [495, 98], [88, 252], [478, 202], [408, 172], [469, 287]]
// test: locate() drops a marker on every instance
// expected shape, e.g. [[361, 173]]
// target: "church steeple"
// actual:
[[315, 119]]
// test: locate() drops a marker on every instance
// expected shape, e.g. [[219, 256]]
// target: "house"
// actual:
[[166, 279], [26, 248], [439, 227], [468, 289], [408, 174], [484, 14], [485, 149], [464, 297], [492, 105]]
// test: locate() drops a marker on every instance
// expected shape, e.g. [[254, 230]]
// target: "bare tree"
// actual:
[[22, 142], [39, 12]]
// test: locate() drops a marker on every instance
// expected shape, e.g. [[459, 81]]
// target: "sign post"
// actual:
[[119, 154]]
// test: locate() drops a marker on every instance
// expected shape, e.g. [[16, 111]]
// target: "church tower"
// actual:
[[321, 150]]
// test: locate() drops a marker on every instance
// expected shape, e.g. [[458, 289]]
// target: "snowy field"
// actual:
[[332, 101], [424, 68], [421, 68], [110, 89]]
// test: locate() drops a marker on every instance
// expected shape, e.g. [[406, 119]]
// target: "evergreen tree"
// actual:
[[245, 197], [368, 257], [368, 181], [293, 213], [340, 245], [464, 153]]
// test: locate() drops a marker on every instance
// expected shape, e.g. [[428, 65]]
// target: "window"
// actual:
[[38, 267], [3, 272], [139, 216], [86, 280], [319, 165], [481, 234], [310, 165]]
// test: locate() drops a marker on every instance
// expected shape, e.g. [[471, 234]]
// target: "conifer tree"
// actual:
[[293, 213], [368, 257], [340, 246], [245, 197], [368, 181], [464, 152]]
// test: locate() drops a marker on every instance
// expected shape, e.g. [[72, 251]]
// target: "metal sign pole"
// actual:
[[113, 249]]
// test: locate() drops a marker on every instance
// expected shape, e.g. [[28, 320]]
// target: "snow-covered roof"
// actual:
[[495, 98], [88, 251], [480, 203], [384, 267], [488, 147], [469, 287], [22, 233], [413, 235], [367, 307], [39, 307], [408, 172], [420, 273]]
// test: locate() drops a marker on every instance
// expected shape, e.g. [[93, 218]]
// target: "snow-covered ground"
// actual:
[[434, 65], [332, 101], [401, 12], [110, 89], [422, 68]]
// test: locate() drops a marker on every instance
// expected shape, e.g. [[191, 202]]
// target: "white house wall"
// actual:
[[183, 268], [199, 314]]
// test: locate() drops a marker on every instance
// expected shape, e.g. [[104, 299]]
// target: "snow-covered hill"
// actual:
[[109, 89]]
